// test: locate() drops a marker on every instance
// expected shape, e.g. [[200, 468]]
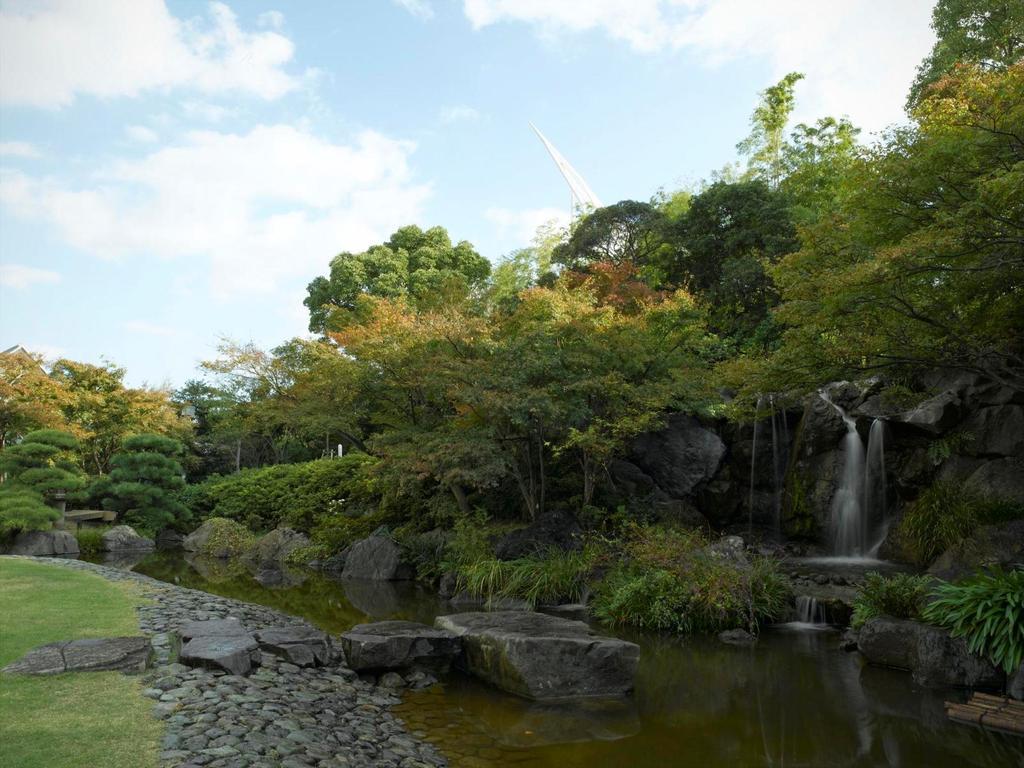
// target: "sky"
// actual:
[[175, 173]]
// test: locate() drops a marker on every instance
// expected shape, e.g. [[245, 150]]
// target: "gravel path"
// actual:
[[281, 716]]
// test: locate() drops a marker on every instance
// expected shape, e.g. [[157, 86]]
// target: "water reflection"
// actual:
[[793, 699]]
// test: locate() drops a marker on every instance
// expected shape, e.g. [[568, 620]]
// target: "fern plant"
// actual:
[[988, 611]]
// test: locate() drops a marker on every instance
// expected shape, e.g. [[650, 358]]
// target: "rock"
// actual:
[[168, 538], [280, 577], [376, 557], [391, 680], [933, 657], [236, 654], [542, 657], [997, 431], [557, 528], [212, 628], [448, 584], [989, 545], [935, 415], [229, 538], [1003, 478], [737, 637], [571, 611], [272, 549], [335, 563], [123, 654], [299, 645], [45, 544], [1015, 684], [123, 538], [848, 641], [399, 645], [629, 479], [680, 456], [507, 604], [679, 512], [730, 548]]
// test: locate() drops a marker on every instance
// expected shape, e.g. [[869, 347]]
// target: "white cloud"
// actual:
[[210, 113], [272, 19], [150, 329], [18, 149], [859, 56], [141, 134], [458, 113], [260, 208], [421, 9], [20, 276], [50, 53], [519, 226]]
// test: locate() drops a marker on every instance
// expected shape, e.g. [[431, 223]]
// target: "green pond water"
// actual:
[[794, 699]]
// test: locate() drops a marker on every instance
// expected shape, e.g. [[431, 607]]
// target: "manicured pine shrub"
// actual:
[[38, 470], [144, 483]]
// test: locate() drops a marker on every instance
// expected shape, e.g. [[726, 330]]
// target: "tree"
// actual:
[[817, 159], [764, 146], [143, 482], [37, 473], [29, 399], [987, 33], [421, 265]]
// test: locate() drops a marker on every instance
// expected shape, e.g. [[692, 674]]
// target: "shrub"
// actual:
[[987, 610], [301, 496], [335, 532], [553, 577], [22, 509], [90, 540], [227, 538], [651, 599], [899, 596], [945, 514], [37, 469]]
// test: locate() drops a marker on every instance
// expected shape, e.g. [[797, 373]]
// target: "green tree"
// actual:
[[422, 265], [144, 481], [817, 159], [764, 146], [987, 33], [38, 472]]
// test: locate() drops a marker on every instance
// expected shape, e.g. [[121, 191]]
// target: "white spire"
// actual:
[[582, 195]]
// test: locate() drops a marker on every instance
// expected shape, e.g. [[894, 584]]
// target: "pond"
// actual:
[[794, 699]]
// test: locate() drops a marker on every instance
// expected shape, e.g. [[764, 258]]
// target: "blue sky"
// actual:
[[174, 173]]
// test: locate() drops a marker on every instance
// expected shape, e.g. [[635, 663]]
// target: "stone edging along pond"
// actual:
[[281, 716]]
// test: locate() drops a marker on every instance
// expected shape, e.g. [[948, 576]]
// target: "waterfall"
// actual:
[[875, 503], [776, 474], [809, 611], [753, 466], [848, 524]]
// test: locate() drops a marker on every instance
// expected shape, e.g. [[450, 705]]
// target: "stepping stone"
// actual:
[[123, 654], [542, 657], [236, 654], [299, 645], [399, 645]]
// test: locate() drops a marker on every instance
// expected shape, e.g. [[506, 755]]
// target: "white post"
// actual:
[[339, 450]]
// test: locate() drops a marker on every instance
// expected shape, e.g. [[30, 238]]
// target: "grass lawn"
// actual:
[[77, 719]]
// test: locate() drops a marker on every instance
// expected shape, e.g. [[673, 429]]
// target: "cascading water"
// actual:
[[810, 611], [875, 502], [776, 471], [753, 467], [848, 523]]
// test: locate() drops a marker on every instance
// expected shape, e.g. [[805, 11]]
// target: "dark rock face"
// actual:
[[680, 456], [376, 557], [168, 538], [997, 431], [123, 538], [554, 528], [122, 654], [935, 415], [1000, 477], [1015, 684], [45, 544], [933, 657], [299, 645], [542, 657], [399, 645], [737, 637], [989, 545], [271, 550]]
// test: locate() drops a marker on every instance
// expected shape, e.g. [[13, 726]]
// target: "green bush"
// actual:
[[90, 540], [301, 496], [22, 509], [336, 531], [899, 596], [36, 471], [987, 610], [651, 599], [550, 578], [945, 514]]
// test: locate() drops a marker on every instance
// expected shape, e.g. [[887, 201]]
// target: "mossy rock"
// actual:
[[220, 537]]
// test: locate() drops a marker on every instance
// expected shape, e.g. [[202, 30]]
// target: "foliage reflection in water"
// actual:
[[792, 700]]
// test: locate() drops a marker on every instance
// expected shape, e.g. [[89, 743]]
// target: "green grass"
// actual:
[[72, 720], [900, 596]]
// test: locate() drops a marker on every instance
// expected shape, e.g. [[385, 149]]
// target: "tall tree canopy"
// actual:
[[764, 146], [626, 233], [421, 265]]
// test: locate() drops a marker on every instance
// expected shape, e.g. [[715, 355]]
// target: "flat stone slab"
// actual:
[[212, 628], [236, 654], [542, 657], [400, 645], [123, 654], [300, 645]]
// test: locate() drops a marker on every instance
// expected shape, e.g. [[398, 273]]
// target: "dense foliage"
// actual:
[[144, 482], [37, 472], [988, 611], [900, 596]]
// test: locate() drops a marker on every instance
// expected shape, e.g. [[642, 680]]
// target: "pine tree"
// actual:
[[143, 482]]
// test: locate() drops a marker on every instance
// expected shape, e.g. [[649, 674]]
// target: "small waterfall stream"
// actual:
[[753, 466], [875, 502], [810, 611]]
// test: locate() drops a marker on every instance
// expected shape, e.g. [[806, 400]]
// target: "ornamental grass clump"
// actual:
[[987, 610], [900, 596], [550, 577]]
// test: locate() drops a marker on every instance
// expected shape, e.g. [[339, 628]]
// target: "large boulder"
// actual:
[[123, 538], [376, 557], [935, 658], [168, 538], [123, 654], [399, 645], [542, 657], [989, 545], [219, 644], [935, 415], [45, 544], [273, 548], [997, 431], [300, 645], [680, 456], [556, 528], [219, 537], [1000, 477]]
